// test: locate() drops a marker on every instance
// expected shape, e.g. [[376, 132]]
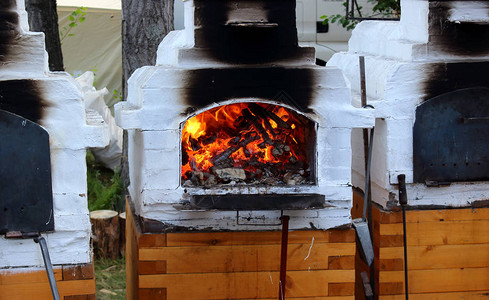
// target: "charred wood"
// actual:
[[254, 120], [268, 114]]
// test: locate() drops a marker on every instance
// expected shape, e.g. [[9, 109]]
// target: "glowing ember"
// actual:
[[246, 142]]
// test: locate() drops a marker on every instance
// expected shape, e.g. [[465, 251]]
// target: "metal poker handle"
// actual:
[[403, 201], [49, 267]]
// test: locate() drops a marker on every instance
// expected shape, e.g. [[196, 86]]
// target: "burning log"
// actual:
[[221, 157], [195, 144], [208, 140], [264, 135], [259, 110]]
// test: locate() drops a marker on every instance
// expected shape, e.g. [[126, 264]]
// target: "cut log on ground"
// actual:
[[105, 233]]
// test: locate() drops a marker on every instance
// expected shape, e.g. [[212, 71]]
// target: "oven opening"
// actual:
[[248, 143]]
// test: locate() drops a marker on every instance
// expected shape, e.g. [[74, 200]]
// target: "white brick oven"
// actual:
[[240, 54], [427, 77], [53, 100]]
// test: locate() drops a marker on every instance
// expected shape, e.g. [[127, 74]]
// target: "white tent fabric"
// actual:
[[104, 4], [95, 45]]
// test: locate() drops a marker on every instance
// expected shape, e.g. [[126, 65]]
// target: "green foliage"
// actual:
[[387, 8], [340, 19], [76, 18], [104, 186], [381, 8], [117, 95], [110, 279]]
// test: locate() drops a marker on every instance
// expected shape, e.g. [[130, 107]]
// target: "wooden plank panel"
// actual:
[[78, 272], [247, 238], [392, 264], [20, 277], [42, 291], [132, 238], [423, 216], [152, 267], [245, 284], [152, 294], [341, 236], [341, 289], [441, 233], [152, 240], [80, 297], [391, 288], [441, 256], [245, 258], [346, 262], [441, 296], [314, 298], [441, 280]]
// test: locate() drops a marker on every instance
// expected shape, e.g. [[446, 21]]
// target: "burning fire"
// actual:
[[247, 136]]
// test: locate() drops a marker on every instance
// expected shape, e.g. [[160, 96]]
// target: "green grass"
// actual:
[[104, 186], [110, 279]]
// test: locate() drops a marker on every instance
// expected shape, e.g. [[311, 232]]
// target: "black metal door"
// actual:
[[26, 200], [451, 137]]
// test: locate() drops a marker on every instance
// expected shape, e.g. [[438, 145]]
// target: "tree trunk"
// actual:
[[144, 25], [43, 17], [106, 234]]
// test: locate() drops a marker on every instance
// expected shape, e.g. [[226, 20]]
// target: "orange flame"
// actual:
[[245, 131]]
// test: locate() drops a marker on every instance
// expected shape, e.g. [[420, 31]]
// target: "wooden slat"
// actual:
[[153, 294], [42, 291], [391, 288], [247, 238], [341, 289], [346, 262], [38, 276], [246, 257], [441, 233], [245, 284], [132, 238], [441, 256], [441, 296], [442, 280], [341, 236], [152, 267], [78, 272], [152, 240], [424, 216], [315, 298], [392, 264], [80, 297]]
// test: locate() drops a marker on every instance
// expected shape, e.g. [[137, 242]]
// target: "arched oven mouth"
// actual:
[[253, 147]]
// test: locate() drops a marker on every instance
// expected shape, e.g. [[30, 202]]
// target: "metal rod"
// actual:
[[368, 148], [367, 175], [358, 8], [363, 94], [352, 11], [405, 253], [403, 201], [49, 267], [363, 85], [283, 257]]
